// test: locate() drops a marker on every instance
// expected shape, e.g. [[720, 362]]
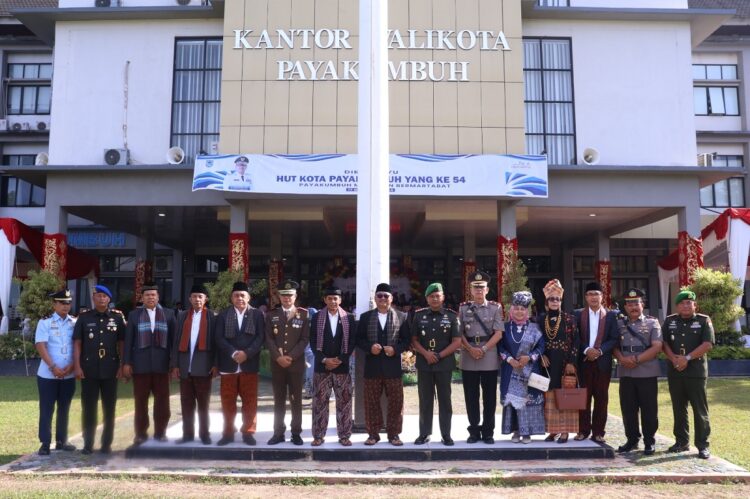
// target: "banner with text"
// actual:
[[409, 175]]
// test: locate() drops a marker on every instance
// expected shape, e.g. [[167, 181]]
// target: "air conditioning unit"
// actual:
[[3, 125], [117, 157], [106, 3], [706, 159], [42, 126], [184, 2]]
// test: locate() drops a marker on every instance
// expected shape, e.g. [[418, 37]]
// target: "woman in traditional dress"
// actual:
[[560, 353], [521, 350]]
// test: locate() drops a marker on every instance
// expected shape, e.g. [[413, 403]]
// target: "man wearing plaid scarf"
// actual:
[[148, 343]]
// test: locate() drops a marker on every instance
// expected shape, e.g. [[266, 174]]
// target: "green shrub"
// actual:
[[515, 280], [34, 302], [729, 353], [12, 346], [715, 294], [220, 291]]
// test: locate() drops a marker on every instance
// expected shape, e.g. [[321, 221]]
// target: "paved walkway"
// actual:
[[684, 467]]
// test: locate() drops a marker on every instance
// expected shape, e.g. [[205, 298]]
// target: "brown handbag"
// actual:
[[570, 398]]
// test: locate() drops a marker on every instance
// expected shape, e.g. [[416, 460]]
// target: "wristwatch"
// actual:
[[484, 348], [688, 357]]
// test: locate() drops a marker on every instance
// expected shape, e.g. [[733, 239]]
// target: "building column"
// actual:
[[689, 242], [507, 242], [55, 241], [144, 253], [470, 259], [239, 243], [603, 267]]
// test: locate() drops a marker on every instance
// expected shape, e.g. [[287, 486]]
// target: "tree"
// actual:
[[220, 291], [34, 301], [715, 293], [513, 281]]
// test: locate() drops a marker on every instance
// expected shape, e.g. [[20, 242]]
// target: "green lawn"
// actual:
[[19, 413], [729, 410]]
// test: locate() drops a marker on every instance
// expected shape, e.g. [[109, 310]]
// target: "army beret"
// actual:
[[433, 288], [684, 295], [288, 287], [99, 288]]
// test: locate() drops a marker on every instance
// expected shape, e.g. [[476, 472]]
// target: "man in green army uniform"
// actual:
[[435, 337], [687, 338]]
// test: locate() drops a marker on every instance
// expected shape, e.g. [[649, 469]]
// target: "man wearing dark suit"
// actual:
[[598, 330], [332, 338], [239, 338], [383, 333], [287, 336], [194, 364], [148, 344]]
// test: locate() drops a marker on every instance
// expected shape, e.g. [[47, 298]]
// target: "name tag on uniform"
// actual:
[[695, 325]]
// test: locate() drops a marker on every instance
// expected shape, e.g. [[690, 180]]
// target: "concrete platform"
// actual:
[[331, 450]]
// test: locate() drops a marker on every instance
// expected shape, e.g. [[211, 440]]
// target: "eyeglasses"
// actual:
[[554, 298], [382, 295]]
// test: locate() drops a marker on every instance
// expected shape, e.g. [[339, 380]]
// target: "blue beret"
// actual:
[[103, 289]]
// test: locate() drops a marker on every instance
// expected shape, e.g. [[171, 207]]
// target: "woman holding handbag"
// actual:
[[520, 350], [560, 353]]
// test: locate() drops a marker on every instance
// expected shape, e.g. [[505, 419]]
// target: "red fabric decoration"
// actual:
[[507, 250], [239, 246], [469, 268], [144, 272], [604, 277], [275, 276], [690, 250]]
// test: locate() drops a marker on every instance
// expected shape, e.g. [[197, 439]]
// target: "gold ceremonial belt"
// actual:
[[432, 343]]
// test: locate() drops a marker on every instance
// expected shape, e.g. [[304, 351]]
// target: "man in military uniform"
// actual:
[[638, 369], [287, 336], [687, 337], [99, 336], [435, 337], [193, 362], [482, 325], [239, 180], [55, 378]]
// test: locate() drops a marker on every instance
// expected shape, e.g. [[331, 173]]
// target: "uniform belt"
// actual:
[[477, 340], [633, 349]]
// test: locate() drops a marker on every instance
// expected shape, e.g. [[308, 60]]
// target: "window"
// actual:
[[196, 95], [714, 71], [15, 192], [19, 159], [548, 84], [716, 101], [29, 90], [554, 3], [725, 193]]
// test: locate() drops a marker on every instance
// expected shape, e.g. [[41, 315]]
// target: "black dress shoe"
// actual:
[[225, 440], [206, 440], [249, 439], [44, 450], [627, 447], [649, 450], [184, 440], [447, 441], [296, 439], [139, 440], [488, 440], [679, 448], [105, 450], [65, 446], [276, 439], [161, 438], [422, 439], [87, 451], [704, 453], [472, 439]]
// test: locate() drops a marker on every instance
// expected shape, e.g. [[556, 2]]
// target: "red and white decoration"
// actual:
[[507, 252], [239, 253], [469, 269], [144, 273], [604, 278], [275, 276], [726, 243], [49, 250]]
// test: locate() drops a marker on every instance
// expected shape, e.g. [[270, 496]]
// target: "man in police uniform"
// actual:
[[239, 180], [287, 336], [435, 337], [687, 337], [99, 336], [482, 325], [638, 369], [55, 378]]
